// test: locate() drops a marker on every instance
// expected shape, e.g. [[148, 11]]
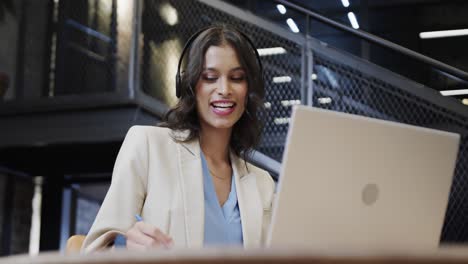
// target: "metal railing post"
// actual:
[[133, 69]]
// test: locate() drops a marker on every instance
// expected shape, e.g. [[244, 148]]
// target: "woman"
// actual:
[[187, 179]]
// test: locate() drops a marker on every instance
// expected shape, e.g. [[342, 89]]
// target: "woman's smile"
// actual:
[[223, 107]]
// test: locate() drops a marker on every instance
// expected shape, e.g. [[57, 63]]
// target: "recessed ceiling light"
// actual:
[[353, 20], [324, 100], [287, 103], [454, 92], [443, 33], [281, 9], [281, 79], [281, 120], [271, 51], [292, 25]]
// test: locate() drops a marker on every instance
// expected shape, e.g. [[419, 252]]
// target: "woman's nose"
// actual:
[[224, 87]]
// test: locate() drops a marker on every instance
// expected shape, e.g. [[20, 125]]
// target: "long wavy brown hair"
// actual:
[[183, 116]]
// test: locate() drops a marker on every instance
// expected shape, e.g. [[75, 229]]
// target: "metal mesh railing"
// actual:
[[336, 86]]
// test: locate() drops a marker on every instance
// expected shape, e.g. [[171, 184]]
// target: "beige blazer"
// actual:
[[162, 180]]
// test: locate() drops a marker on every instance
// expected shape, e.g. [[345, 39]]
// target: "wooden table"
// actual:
[[231, 256]]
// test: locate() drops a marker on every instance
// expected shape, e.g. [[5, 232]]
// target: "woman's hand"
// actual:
[[143, 236]]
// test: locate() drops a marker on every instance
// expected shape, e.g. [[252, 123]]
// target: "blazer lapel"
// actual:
[[250, 206], [191, 180]]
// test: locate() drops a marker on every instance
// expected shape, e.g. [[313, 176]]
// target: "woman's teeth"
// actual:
[[223, 105]]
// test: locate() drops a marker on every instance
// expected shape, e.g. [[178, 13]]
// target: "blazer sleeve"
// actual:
[[126, 193]]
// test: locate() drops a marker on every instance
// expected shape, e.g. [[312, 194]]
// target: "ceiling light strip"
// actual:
[[443, 33], [454, 92]]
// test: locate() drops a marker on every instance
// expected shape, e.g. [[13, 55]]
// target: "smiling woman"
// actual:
[[188, 178], [226, 42]]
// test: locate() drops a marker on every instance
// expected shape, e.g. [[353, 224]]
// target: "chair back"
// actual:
[[74, 244]]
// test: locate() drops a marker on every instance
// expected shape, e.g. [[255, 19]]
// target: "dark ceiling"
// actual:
[[399, 21]]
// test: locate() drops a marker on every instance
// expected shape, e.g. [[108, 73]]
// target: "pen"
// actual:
[[138, 218]]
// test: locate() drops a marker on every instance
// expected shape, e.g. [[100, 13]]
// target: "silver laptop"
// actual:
[[349, 181]]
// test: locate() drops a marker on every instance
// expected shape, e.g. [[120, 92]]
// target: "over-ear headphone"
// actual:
[[187, 46]]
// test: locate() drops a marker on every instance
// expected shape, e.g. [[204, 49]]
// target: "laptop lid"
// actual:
[[353, 181]]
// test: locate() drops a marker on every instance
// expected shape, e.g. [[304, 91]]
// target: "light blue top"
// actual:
[[222, 223]]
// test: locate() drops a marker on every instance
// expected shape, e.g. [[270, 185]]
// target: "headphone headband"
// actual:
[[189, 43]]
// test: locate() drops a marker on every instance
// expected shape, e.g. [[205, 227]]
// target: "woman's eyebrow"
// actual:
[[237, 69], [210, 69]]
